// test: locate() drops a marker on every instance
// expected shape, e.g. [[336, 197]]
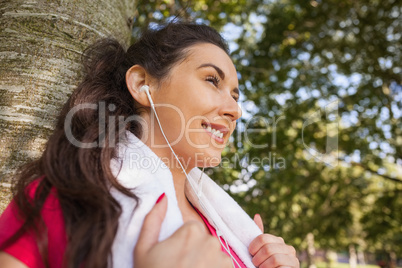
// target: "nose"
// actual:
[[230, 108]]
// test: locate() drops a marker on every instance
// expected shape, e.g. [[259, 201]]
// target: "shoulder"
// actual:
[[25, 246], [9, 261]]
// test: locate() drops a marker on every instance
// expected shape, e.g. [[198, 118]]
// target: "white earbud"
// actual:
[[146, 89]]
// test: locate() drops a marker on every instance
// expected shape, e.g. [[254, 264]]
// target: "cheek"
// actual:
[[232, 126], [194, 132]]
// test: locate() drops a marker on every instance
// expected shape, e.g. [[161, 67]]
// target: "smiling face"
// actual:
[[197, 106]]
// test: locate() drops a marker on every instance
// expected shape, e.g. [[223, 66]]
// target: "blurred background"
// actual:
[[318, 152]]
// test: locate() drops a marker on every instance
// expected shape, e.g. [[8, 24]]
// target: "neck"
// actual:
[[179, 177], [159, 146]]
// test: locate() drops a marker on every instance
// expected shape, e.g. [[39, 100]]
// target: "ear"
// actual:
[[136, 77]]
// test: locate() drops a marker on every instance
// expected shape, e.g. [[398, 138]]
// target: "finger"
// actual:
[[268, 250], [279, 260], [258, 221], [151, 227], [263, 239]]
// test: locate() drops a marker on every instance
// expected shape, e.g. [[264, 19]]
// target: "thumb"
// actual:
[[151, 227], [258, 221]]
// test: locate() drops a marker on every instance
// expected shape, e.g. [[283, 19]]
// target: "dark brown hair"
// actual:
[[82, 176]]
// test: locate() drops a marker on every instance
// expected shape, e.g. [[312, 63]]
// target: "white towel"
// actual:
[[138, 168]]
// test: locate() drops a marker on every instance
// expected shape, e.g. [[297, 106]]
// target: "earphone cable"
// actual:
[[227, 249]]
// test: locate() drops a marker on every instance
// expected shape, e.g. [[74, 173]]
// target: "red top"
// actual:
[[213, 232], [25, 248]]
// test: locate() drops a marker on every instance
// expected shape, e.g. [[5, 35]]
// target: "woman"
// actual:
[[132, 134]]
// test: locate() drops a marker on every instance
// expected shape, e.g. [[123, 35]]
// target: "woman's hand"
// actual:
[[189, 246], [271, 251]]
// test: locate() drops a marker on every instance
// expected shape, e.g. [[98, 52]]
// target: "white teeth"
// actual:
[[215, 132]]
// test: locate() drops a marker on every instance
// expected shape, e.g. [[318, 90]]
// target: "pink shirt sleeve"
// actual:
[[25, 248]]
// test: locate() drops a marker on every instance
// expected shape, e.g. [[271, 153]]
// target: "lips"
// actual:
[[216, 130]]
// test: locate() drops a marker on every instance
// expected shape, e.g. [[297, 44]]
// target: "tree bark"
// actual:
[[40, 53]]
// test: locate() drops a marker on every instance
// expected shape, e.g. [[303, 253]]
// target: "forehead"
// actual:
[[199, 54]]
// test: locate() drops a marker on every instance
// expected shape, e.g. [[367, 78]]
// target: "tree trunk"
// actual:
[[352, 256], [310, 251], [360, 258], [392, 259], [40, 52]]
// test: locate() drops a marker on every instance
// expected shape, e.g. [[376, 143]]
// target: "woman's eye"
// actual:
[[213, 79], [236, 98]]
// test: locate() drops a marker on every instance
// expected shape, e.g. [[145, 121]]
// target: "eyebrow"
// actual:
[[220, 73], [219, 70]]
